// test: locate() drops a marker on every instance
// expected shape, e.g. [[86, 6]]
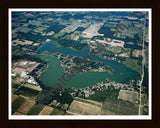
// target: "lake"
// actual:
[[121, 74]]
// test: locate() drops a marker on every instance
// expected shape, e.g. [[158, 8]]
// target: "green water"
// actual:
[[55, 72]]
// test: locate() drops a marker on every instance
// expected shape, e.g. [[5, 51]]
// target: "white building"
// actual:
[[23, 74], [23, 63], [31, 81]]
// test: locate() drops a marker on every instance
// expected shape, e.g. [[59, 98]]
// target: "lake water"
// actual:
[[121, 74]]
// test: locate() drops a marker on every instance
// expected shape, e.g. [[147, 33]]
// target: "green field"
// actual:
[[17, 103], [15, 85], [36, 109], [113, 49], [119, 107], [110, 25], [60, 34], [57, 112], [28, 92], [133, 64]]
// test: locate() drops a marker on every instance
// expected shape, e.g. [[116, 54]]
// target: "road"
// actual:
[[143, 56]]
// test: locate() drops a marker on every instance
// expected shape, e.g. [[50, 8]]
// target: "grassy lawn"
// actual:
[[17, 103], [36, 109]]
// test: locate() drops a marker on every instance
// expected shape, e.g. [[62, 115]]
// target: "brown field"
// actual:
[[14, 97], [130, 43], [71, 113], [118, 107], [131, 96], [26, 106], [17, 113], [92, 30], [137, 53], [18, 68], [46, 110], [113, 42], [107, 112], [81, 108], [17, 80], [17, 41], [89, 101]]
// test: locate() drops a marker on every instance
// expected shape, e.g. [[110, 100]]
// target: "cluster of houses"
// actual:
[[87, 91]]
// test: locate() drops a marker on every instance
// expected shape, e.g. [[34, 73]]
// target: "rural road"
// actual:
[[143, 56]]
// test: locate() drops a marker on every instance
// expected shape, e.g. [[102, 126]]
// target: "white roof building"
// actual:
[[31, 80], [23, 74]]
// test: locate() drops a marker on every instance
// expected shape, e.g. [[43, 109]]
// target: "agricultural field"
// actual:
[[110, 25], [99, 104], [113, 49], [18, 113], [31, 86], [21, 42], [57, 112], [92, 30], [22, 66], [16, 80], [36, 109], [17, 103], [118, 107], [137, 53], [46, 110], [26, 106], [83, 108], [29, 92], [131, 96], [133, 64], [14, 97]]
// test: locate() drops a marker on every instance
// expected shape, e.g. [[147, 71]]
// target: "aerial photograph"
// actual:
[[79, 62]]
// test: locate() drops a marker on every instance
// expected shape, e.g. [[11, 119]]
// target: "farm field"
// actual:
[[131, 96], [137, 53], [23, 66], [82, 108], [28, 91], [57, 112], [26, 106], [18, 113], [37, 88], [119, 107], [99, 104], [17, 103], [46, 110], [36, 109], [133, 64], [14, 97]]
